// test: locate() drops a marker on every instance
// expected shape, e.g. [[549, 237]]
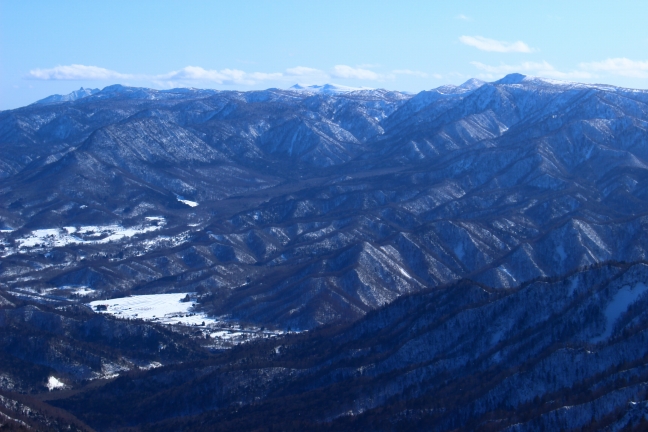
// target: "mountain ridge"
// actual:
[[332, 204]]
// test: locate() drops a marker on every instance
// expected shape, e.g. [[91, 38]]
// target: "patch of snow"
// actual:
[[53, 383], [83, 291], [227, 337], [91, 234], [37, 298], [110, 370], [162, 308], [71, 289], [226, 334], [6, 417], [187, 202], [505, 270], [165, 242], [619, 305], [403, 272], [154, 218], [152, 365]]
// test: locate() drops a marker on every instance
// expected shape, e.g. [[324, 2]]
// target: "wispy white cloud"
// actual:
[[304, 71], [196, 73], [192, 75], [76, 72], [619, 66], [410, 72], [463, 17], [493, 45], [346, 72], [186, 74], [543, 69]]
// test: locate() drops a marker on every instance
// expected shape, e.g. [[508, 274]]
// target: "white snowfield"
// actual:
[[54, 383], [91, 234], [187, 202], [163, 308], [82, 290], [168, 309]]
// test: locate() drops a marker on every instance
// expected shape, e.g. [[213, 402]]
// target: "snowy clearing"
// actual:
[[163, 308], [168, 309], [71, 289], [83, 291], [91, 234], [53, 383]]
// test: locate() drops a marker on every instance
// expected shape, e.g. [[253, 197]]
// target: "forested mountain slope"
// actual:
[[562, 353]]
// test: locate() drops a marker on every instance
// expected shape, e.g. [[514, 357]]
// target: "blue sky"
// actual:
[[49, 47]]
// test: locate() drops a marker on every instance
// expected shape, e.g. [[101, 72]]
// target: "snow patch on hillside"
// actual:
[[187, 202], [54, 383], [163, 308], [89, 234]]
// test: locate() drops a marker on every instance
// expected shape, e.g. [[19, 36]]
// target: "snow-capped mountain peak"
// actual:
[[472, 84], [75, 95]]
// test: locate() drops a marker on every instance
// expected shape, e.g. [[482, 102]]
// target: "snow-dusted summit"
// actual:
[[75, 95]]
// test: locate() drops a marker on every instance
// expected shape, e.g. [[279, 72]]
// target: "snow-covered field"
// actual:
[[90, 234], [168, 309], [163, 308]]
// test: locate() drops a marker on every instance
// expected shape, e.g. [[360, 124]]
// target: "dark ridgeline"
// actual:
[[496, 230]]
